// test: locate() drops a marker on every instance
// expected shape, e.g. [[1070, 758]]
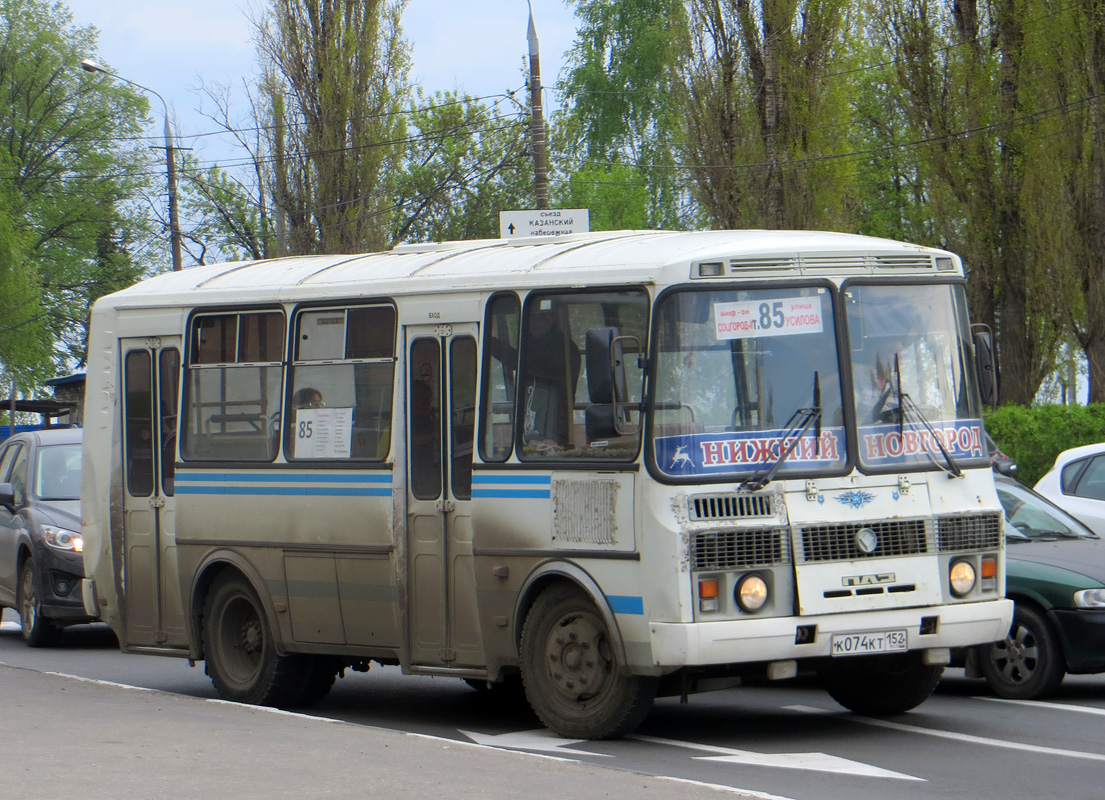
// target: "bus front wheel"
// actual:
[[570, 671], [878, 685], [239, 652]]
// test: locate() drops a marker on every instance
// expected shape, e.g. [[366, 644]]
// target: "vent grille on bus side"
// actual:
[[904, 262], [838, 542], [847, 263], [975, 532], [740, 549], [764, 263], [835, 263], [732, 506]]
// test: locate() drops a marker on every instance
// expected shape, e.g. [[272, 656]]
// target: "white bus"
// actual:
[[611, 465]]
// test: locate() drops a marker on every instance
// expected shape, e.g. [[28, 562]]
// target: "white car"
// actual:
[[1076, 483]]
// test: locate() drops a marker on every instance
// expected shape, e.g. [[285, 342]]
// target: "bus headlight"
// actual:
[[962, 578], [751, 593]]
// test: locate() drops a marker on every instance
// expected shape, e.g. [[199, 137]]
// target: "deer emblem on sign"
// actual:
[[681, 457]]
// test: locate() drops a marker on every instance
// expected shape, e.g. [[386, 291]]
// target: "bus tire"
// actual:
[[880, 685], [318, 676], [239, 652], [570, 671], [37, 630]]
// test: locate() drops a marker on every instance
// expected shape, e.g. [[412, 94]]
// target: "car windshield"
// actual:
[[1030, 517], [741, 375], [913, 376], [58, 472]]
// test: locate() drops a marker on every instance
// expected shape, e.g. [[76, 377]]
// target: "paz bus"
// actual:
[[606, 466]]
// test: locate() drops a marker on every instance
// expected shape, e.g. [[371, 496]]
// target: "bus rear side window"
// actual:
[[233, 387]]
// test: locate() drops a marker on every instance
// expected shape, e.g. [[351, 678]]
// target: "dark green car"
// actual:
[[1055, 573]]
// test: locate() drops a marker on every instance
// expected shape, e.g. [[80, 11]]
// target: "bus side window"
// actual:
[[233, 387], [500, 371], [341, 384]]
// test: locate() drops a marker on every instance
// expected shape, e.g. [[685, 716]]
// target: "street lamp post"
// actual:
[[88, 65]]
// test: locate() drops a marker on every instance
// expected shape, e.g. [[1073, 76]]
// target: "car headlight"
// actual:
[[962, 578], [751, 593], [63, 539], [1090, 598]]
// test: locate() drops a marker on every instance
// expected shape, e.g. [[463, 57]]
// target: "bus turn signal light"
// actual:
[[707, 595], [989, 573]]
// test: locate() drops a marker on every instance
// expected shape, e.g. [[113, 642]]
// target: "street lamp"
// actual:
[[88, 65]]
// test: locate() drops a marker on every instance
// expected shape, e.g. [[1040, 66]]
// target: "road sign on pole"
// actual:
[[543, 222]]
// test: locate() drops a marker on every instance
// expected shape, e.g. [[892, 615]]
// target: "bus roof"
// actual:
[[578, 259]]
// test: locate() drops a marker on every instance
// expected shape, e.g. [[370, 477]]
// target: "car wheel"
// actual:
[[1026, 664], [880, 685], [240, 654], [571, 676], [38, 631]]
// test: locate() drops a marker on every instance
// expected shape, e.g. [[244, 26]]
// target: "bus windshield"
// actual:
[[913, 376], [742, 374]]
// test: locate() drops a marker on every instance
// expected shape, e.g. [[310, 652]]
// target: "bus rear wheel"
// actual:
[[879, 685], [240, 655], [570, 672]]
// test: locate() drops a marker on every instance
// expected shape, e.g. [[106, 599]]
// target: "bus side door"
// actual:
[[151, 392], [441, 396]]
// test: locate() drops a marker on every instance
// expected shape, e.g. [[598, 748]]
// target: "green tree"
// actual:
[[334, 87], [620, 120], [973, 76], [1078, 153], [464, 161], [69, 164], [761, 119]]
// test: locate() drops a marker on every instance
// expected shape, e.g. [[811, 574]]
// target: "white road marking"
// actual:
[[1042, 704], [816, 762], [542, 740], [959, 737]]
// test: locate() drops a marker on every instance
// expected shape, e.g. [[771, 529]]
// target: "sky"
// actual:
[[172, 46]]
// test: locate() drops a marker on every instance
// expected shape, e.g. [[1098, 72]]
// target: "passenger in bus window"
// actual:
[[308, 397]]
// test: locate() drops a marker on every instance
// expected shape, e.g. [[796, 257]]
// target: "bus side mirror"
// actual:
[[984, 361], [608, 414]]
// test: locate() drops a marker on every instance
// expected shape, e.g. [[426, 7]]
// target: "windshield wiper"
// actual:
[[906, 404], [799, 422]]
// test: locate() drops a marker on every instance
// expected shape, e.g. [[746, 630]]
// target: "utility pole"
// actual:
[[537, 125], [88, 65]]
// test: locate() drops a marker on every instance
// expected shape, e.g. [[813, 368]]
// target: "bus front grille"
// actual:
[[732, 506], [740, 549], [838, 542], [972, 532]]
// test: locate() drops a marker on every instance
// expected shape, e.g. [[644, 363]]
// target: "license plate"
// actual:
[[858, 644]]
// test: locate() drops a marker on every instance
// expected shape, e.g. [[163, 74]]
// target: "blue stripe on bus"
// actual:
[[319, 491], [626, 604], [523, 494], [512, 487], [532, 479], [282, 477]]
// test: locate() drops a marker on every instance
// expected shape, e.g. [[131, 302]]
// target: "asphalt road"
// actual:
[[786, 740]]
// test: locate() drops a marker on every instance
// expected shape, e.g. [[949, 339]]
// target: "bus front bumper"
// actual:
[[777, 639]]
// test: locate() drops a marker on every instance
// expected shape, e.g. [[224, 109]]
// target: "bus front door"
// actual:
[[441, 397], [151, 384]]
